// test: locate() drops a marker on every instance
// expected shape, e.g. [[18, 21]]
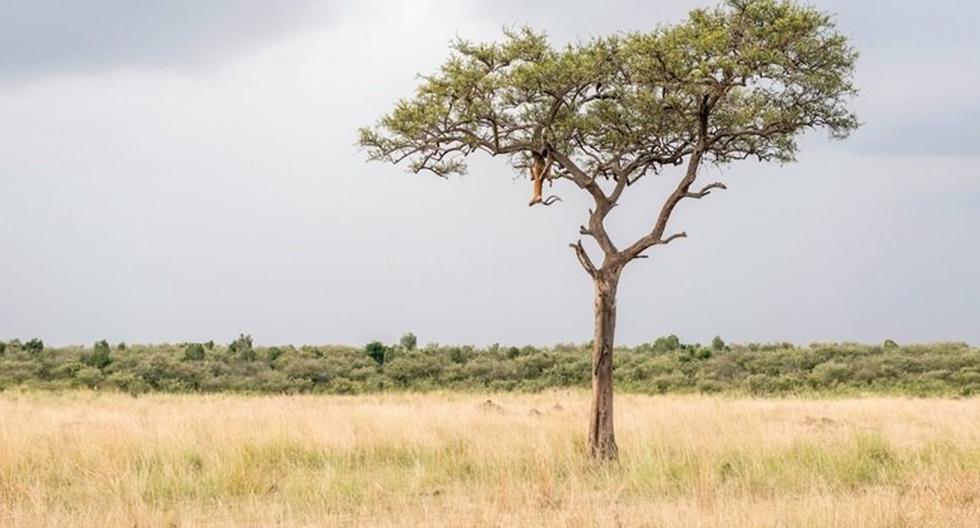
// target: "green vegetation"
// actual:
[[663, 366]]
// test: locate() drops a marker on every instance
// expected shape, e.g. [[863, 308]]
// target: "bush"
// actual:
[[667, 344], [127, 382], [313, 370], [99, 358], [413, 368], [948, 369], [376, 351], [408, 341], [829, 374], [242, 347], [193, 352], [273, 354], [89, 376], [34, 346]]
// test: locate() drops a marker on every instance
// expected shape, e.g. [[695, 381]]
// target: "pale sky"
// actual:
[[186, 170]]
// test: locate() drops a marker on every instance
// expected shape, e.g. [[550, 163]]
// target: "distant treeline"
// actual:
[[664, 366]]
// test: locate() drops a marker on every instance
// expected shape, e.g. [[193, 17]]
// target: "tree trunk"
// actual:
[[602, 438]]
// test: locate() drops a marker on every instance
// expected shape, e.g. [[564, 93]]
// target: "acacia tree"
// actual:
[[739, 81]]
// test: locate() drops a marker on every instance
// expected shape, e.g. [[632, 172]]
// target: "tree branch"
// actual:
[[576, 174], [603, 204], [671, 238], [622, 180], [663, 242], [705, 191], [655, 236], [583, 258]]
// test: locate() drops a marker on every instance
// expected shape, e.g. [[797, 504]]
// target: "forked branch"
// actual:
[[705, 191], [583, 258], [671, 238]]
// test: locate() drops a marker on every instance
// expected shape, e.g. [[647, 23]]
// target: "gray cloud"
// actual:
[[909, 24], [566, 20], [41, 37], [148, 206], [949, 130]]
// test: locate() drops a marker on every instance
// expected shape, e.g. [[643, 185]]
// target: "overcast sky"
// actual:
[[186, 170]]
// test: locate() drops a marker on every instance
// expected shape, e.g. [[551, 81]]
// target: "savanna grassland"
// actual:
[[108, 459]]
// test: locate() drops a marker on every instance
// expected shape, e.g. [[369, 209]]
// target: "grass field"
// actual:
[[84, 459]]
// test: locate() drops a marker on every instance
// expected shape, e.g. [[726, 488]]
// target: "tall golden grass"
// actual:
[[105, 460]]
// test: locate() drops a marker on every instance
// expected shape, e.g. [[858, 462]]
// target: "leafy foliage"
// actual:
[[193, 352], [949, 369], [741, 80], [243, 347], [377, 351], [99, 357], [35, 345], [408, 341]]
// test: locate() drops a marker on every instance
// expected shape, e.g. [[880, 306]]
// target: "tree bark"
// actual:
[[602, 438]]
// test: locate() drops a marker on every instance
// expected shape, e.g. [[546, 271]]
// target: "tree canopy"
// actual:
[[743, 80]]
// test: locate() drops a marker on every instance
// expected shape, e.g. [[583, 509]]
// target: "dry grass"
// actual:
[[106, 460]]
